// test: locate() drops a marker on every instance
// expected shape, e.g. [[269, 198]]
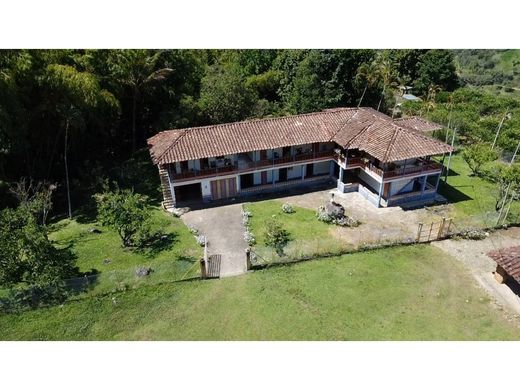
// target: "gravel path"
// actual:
[[224, 231], [377, 224], [473, 255]]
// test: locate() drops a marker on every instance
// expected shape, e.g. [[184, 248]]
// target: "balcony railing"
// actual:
[[422, 166], [246, 166], [414, 169]]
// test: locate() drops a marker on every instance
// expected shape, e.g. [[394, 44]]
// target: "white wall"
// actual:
[[257, 178], [373, 183], [401, 186], [295, 172], [194, 165], [321, 168], [206, 188]]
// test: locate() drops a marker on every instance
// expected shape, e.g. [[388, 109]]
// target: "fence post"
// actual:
[[248, 259], [430, 233], [203, 269], [441, 229], [419, 231]]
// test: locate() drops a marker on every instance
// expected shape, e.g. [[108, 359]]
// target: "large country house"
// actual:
[[385, 160]]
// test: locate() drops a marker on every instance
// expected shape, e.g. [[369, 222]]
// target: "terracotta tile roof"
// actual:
[[362, 128], [418, 123], [508, 259]]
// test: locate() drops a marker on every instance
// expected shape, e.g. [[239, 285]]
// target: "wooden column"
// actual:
[[380, 193], [501, 274]]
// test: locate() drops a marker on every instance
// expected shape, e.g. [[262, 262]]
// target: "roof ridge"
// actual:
[[183, 134], [344, 124], [325, 111], [391, 144]]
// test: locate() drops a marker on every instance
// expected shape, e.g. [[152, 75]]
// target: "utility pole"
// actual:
[[498, 130], [449, 158], [514, 154]]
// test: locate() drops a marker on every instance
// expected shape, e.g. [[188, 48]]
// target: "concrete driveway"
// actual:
[[224, 231]]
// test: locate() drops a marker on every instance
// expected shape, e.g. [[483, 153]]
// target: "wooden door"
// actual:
[[224, 188], [282, 176], [310, 170], [263, 176]]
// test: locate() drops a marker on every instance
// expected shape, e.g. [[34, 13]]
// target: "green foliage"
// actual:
[[224, 95], [26, 254], [436, 67], [405, 293], [126, 212], [477, 155], [497, 71], [276, 236], [507, 180], [475, 114]]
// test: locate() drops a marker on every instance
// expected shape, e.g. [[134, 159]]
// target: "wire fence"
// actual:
[[438, 228], [101, 283]]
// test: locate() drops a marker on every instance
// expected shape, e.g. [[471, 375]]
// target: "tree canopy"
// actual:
[[108, 102]]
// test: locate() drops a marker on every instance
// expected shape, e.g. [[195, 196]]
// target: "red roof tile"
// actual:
[[417, 123], [362, 128], [508, 259]]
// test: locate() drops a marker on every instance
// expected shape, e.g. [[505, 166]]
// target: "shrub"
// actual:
[[473, 234], [477, 155], [201, 239], [287, 208], [335, 215], [127, 213], [276, 236], [249, 238]]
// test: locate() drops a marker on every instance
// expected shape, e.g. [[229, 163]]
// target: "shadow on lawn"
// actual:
[[453, 194], [158, 243]]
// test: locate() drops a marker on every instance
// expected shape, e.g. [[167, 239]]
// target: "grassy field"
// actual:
[[472, 197], [308, 235], [173, 257], [404, 293]]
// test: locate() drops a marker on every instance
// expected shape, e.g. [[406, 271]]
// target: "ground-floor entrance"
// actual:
[[223, 188], [188, 193]]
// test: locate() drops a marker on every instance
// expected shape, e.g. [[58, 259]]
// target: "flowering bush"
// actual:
[[249, 238], [287, 208], [323, 215], [201, 239], [335, 218]]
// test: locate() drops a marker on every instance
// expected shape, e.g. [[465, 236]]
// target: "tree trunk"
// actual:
[[67, 168], [134, 130], [382, 96], [362, 95]]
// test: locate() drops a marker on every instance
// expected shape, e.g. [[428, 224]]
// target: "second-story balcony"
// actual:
[[245, 164], [421, 166]]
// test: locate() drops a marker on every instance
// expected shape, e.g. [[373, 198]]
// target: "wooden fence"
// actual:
[[434, 230]]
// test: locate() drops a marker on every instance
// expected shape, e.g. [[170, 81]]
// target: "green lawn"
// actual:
[[308, 235], [178, 256], [472, 197], [402, 293]]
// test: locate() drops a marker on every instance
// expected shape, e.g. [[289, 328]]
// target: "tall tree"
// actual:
[[138, 70], [75, 94], [370, 74], [225, 96]]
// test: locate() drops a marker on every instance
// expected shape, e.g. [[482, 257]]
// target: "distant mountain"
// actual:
[[494, 70]]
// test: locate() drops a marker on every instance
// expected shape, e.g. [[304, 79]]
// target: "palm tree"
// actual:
[[388, 74], [369, 73], [138, 70]]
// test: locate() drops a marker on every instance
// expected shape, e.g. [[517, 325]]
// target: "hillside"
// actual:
[[494, 70]]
